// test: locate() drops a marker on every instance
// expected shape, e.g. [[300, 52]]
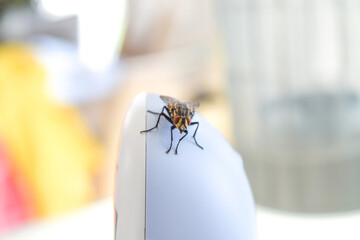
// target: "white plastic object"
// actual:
[[194, 195]]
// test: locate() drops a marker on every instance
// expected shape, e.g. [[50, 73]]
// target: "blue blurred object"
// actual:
[[196, 194]]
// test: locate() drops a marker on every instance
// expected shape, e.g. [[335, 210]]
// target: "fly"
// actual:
[[179, 114]]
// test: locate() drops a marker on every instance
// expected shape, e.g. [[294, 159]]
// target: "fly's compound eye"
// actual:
[[188, 120], [176, 120]]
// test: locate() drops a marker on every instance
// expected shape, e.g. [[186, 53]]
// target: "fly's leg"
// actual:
[[157, 123], [172, 128], [186, 132], [197, 123], [167, 110]]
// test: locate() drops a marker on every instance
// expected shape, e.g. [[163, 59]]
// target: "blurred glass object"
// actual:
[[292, 76]]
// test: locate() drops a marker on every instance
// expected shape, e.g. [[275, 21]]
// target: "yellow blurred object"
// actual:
[[50, 143]]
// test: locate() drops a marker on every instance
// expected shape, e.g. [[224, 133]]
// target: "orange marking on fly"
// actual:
[[188, 120], [176, 120]]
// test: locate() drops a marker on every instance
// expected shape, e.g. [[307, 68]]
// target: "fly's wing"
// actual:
[[192, 106], [169, 100]]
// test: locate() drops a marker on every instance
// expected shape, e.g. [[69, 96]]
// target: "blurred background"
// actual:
[[277, 78]]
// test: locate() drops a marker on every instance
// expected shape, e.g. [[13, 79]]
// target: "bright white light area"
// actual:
[[284, 226], [326, 52], [92, 222], [100, 26], [58, 8]]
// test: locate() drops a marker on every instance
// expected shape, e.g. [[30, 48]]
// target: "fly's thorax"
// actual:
[[182, 110]]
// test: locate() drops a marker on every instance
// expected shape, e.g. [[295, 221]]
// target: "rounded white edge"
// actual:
[[129, 199]]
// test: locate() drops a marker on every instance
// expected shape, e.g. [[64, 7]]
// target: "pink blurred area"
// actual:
[[15, 199]]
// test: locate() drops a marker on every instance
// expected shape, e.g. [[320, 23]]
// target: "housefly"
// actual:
[[179, 114]]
